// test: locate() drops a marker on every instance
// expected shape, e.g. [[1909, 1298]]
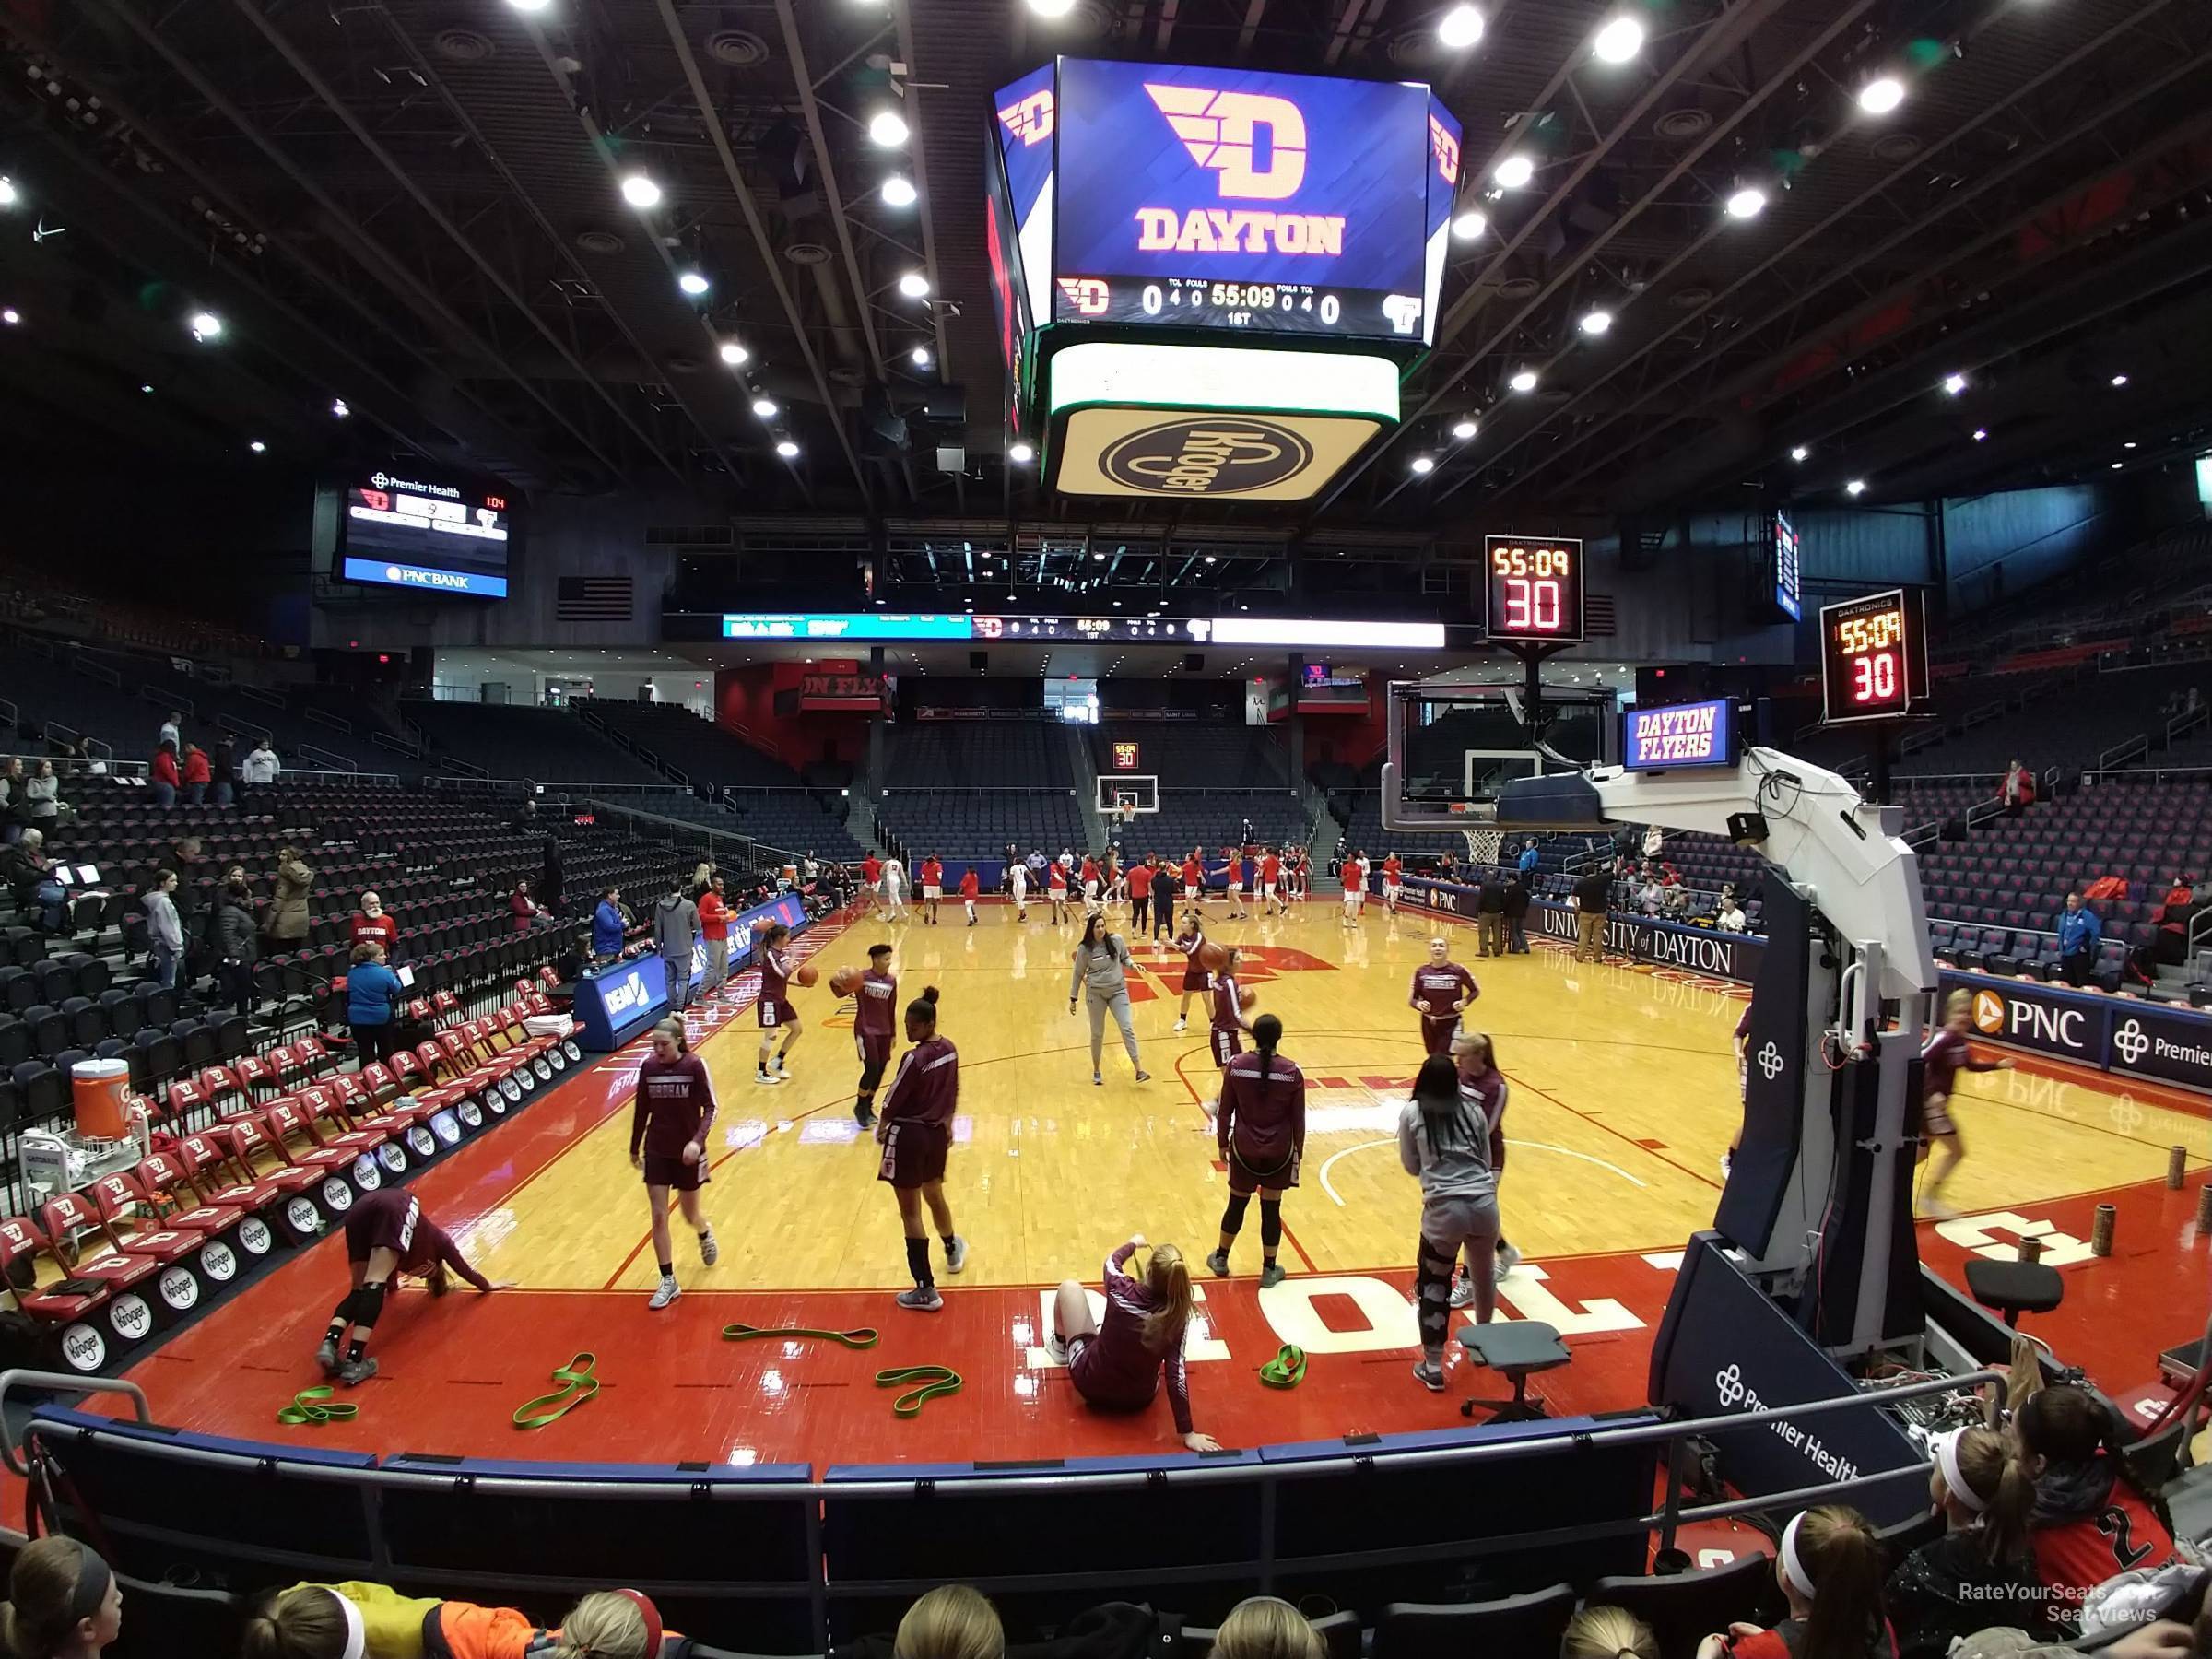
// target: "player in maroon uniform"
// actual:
[[1260, 1127], [1441, 992], [1228, 1023], [1484, 1088], [874, 1000], [387, 1233], [1118, 1366], [669, 1122], [915, 1133], [1941, 1062], [774, 1009], [1196, 981]]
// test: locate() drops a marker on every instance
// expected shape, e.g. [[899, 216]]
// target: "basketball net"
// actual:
[[1483, 846]]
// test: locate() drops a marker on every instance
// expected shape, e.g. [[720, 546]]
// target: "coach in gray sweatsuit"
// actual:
[[1102, 969], [675, 929]]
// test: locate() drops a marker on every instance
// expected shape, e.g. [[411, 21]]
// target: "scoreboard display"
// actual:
[[1873, 657], [1535, 588], [401, 526]]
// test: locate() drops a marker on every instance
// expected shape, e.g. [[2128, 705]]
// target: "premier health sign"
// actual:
[[2133, 1038]]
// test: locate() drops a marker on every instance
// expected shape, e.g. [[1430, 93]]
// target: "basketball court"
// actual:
[[1623, 1096]]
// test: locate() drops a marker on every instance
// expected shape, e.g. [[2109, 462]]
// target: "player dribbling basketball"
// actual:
[[670, 1120], [773, 1010], [875, 1003], [1260, 1129], [915, 1134]]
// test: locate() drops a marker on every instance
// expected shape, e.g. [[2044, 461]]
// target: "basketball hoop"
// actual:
[[1484, 846]]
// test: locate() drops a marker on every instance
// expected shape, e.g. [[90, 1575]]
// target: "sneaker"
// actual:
[[1144, 1077], [1935, 1209], [1180, 1023], [667, 1292], [1055, 1348], [1463, 1292], [781, 1072], [1218, 1264], [864, 1117], [1430, 1377], [354, 1372], [762, 1076], [922, 1299], [1727, 1164], [1272, 1275], [956, 1253], [709, 1252], [327, 1357], [1507, 1260], [1096, 1081]]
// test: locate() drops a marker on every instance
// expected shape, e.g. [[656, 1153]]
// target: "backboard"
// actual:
[[1453, 747], [1136, 792]]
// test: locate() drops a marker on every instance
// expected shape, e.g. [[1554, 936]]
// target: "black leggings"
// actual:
[[375, 1043]]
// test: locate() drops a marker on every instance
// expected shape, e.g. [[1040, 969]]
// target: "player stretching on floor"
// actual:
[[874, 1000], [386, 1233], [774, 1009], [1945, 1057], [1442, 993], [670, 1120], [1260, 1127], [1117, 1365], [1445, 1140], [1191, 941], [915, 1133], [970, 889], [1055, 887], [1228, 1025], [933, 888]]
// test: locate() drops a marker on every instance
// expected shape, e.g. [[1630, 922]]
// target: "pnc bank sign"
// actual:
[[1254, 144]]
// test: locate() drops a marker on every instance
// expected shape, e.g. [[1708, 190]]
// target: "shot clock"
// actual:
[[1873, 657], [1535, 588]]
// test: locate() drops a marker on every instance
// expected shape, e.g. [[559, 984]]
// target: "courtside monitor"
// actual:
[[406, 526], [1453, 749]]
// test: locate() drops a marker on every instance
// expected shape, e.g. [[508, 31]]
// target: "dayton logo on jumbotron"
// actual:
[[1255, 146], [1030, 120]]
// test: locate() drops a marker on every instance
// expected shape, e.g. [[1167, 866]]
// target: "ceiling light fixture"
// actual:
[[887, 127], [787, 449], [765, 407], [340, 408], [1954, 384], [1422, 464], [1798, 451], [1525, 380], [9, 194], [1597, 320], [2119, 380], [919, 357], [257, 446], [1617, 41], [1981, 434], [913, 285], [11, 316], [899, 192], [1469, 225], [1021, 454], [1464, 428], [1856, 487], [1051, 9], [1881, 94], [1513, 172], [692, 283], [640, 191], [734, 354], [1459, 28], [1746, 202]]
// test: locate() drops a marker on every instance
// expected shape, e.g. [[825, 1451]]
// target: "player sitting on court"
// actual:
[[1118, 1366]]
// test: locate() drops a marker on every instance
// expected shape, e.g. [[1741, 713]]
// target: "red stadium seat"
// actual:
[[182, 1100], [20, 1242], [67, 1213], [255, 1075]]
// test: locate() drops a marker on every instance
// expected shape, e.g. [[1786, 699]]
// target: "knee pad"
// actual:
[[367, 1306], [1232, 1216], [1271, 1222]]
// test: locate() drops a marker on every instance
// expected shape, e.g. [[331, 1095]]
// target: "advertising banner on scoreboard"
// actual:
[[424, 530], [1698, 734]]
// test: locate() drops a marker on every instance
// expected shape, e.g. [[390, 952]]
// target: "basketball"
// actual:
[[1247, 996], [844, 982], [807, 974], [1213, 958]]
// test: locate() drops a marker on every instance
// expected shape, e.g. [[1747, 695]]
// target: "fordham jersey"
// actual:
[[873, 1001], [1945, 1057], [1228, 1006], [674, 1106], [1263, 1111], [926, 1088], [775, 976], [1441, 985]]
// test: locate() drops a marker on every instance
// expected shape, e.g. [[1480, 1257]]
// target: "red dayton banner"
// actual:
[[857, 693]]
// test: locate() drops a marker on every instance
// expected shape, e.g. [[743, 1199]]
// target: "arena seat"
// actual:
[[1683, 1609], [1340, 1637], [1516, 1624], [166, 1620]]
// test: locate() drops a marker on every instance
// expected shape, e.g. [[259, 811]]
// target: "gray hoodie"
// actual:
[[1104, 968], [1453, 1157], [675, 929]]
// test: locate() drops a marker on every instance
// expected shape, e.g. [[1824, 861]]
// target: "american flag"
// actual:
[[592, 599]]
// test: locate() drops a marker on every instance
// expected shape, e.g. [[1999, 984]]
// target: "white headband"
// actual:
[[1793, 1564], [356, 1638], [1954, 1478]]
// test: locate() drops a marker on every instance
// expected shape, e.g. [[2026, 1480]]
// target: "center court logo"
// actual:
[[1208, 456], [2131, 1040], [1257, 142]]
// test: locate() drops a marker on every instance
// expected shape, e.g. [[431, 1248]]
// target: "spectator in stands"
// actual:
[[1654, 840], [1608, 1633], [163, 778], [262, 766], [172, 731], [93, 766], [1674, 898], [2018, 790], [675, 931], [549, 876], [527, 910], [1117, 1365], [373, 997], [951, 1622], [222, 776], [1527, 863], [371, 1620], [1729, 917], [1982, 1572], [1263, 1627], [62, 1603], [1592, 899], [11, 797], [714, 917], [164, 928], [1516, 914], [2170, 945], [287, 917], [2089, 1521], [234, 938], [2079, 935], [608, 921], [1835, 1552], [374, 921], [30, 876], [703, 878], [42, 796], [196, 773]]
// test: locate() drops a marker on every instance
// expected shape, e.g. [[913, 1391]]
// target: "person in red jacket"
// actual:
[[198, 774], [1055, 888], [1140, 898], [970, 889], [2090, 1520], [714, 928], [163, 776], [933, 888], [526, 909], [1835, 1551], [1271, 884]]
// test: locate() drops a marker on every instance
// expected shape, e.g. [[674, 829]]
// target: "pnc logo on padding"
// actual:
[[1988, 1013], [1210, 455], [1257, 142]]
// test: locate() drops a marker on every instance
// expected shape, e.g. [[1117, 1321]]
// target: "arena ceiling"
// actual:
[[416, 208]]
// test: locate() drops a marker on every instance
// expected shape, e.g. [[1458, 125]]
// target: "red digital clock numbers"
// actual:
[[1535, 588], [1874, 656]]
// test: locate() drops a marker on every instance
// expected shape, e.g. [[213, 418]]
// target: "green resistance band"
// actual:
[[1287, 1370], [577, 1385], [307, 1406], [933, 1380], [862, 1338]]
